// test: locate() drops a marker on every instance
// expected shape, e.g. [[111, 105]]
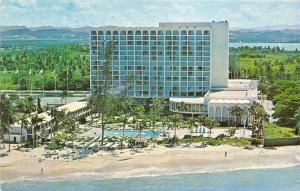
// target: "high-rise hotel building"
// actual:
[[171, 60]]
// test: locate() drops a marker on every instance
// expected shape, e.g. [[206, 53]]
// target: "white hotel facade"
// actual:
[[187, 63]]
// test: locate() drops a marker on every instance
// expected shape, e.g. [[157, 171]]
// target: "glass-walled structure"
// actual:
[[154, 62], [188, 105]]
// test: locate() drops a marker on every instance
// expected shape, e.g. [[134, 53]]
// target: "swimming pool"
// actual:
[[131, 133]]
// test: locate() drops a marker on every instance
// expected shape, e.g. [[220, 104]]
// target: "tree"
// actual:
[[156, 110], [35, 126], [125, 105], [257, 117], [175, 119], [192, 123], [210, 123], [202, 119], [39, 106], [69, 126], [6, 116], [237, 112], [287, 101], [64, 96], [101, 99], [57, 117], [23, 110], [142, 124]]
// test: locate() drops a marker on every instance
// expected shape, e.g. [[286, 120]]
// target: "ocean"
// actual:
[[41, 43], [281, 179]]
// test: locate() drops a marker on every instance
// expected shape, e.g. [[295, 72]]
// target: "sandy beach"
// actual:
[[158, 161]]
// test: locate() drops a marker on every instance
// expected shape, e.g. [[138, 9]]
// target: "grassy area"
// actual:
[[274, 131], [233, 141]]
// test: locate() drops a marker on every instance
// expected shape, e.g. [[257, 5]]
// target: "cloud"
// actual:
[[76, 13]]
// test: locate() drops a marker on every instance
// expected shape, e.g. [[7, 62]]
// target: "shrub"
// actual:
[[187, 137], [54, 146], [231, 131], [255, 142], [82, 120], [221, 136]]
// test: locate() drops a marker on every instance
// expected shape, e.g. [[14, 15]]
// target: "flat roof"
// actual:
[[73, 106], [229, 101], [242, 83], [190, 100], [164, 25], [228, 95], [70, 107]]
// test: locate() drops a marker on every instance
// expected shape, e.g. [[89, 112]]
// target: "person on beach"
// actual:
[[225, 154], [42, 171]]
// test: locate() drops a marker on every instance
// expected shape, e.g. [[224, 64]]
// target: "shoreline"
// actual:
[[160, 162], [95, 175]]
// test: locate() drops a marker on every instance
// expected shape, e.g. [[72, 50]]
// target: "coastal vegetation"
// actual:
[[274, 131], [56, 67], [278, 72]]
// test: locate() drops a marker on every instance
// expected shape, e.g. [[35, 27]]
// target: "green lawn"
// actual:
[[274, 131], [233, 141]]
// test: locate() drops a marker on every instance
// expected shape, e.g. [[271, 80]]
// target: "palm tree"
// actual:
[[23, 111], [6, 116], [262, 117], [258, 116], [237, 112], [64, 96], [175, 119], [35, 122], [210, 123], [30, 105], [156, 110], [191, 124], [57, 117], [69, 125], [138, 116], [102, 93], [142, 123], [124, 119]]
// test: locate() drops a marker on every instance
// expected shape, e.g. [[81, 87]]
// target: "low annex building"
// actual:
[[216, 103], [19, 134]]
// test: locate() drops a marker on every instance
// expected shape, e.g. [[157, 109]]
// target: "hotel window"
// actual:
[[130, 32], [160, 33], [108, 32], [153, 32], [191, 32], [115, 33], [206, 32], [137, 32]]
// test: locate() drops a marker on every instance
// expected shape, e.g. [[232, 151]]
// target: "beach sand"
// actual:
[[159, 161]]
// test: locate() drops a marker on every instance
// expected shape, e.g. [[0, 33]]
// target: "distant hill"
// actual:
[[17, 33], [259, 35]]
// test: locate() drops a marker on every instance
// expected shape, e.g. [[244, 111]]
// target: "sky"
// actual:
[[79, 13]]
